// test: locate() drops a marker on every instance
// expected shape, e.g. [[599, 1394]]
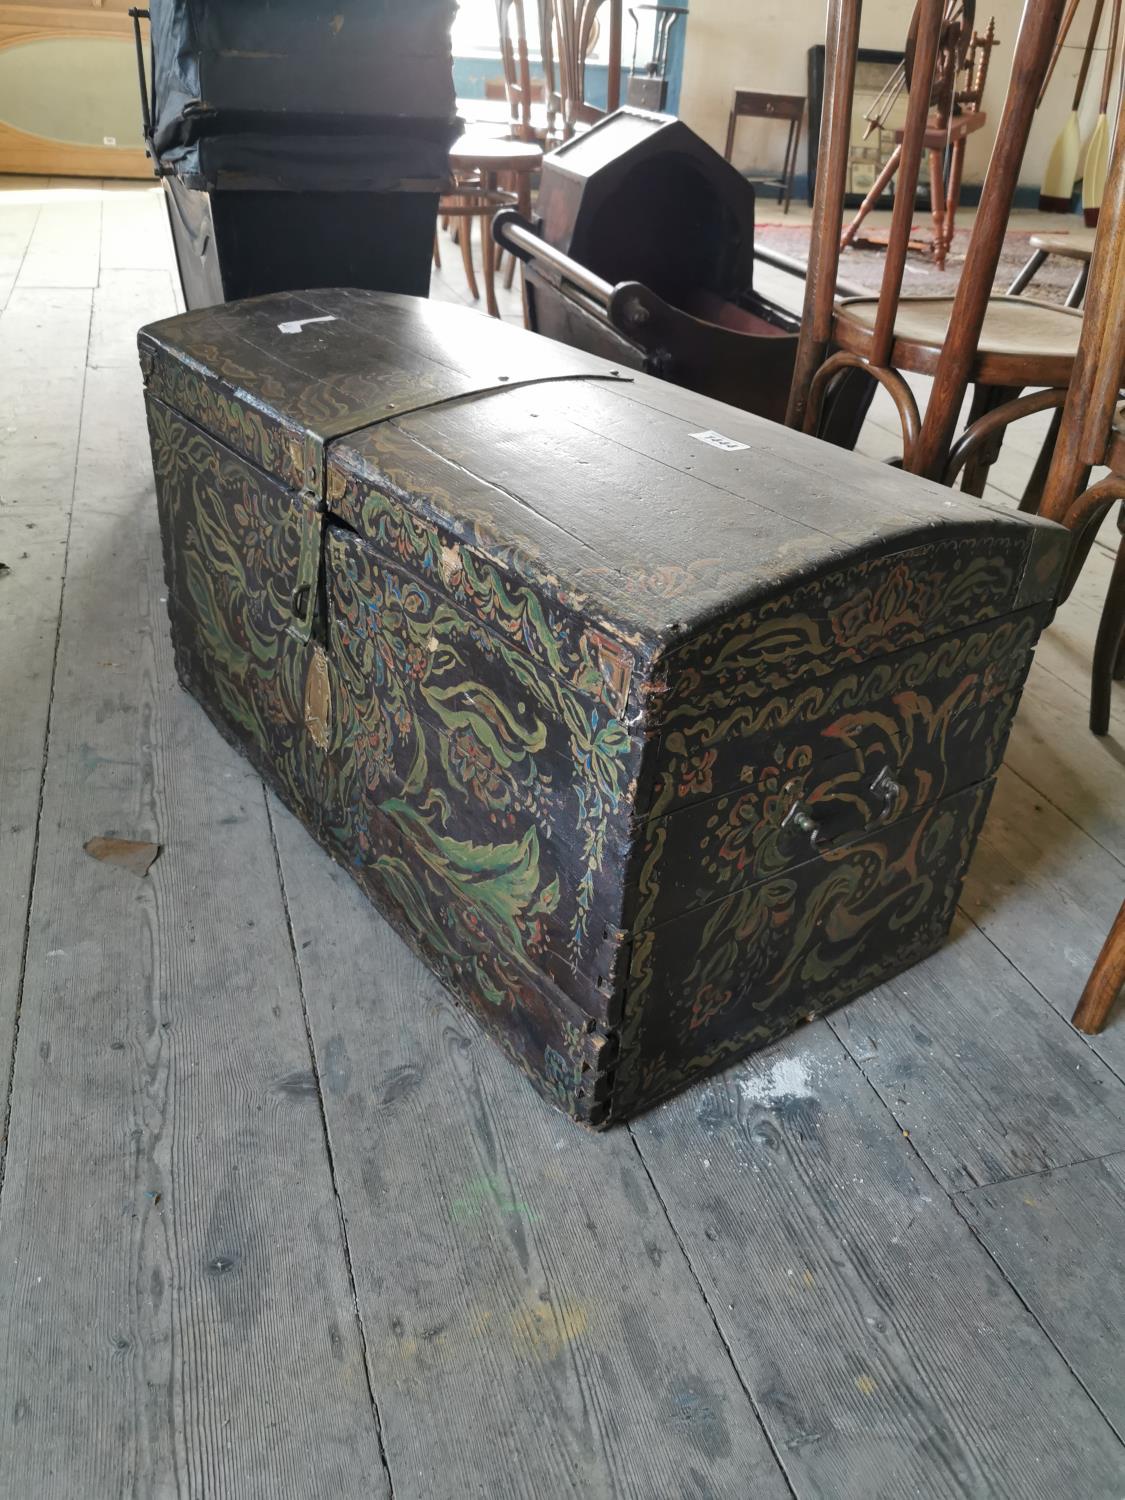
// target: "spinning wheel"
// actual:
[[955, 114], [953, 48]]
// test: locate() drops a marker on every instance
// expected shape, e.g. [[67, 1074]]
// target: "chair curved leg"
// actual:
[[844, 408], [1082, 518], [1108, 647], [986, 428], [1105, 981], [465, 226], [1033, 490], [890, 380], [488, 247], [523, 206], [986, 400]]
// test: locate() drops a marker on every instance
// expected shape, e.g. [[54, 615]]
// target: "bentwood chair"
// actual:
[[1077, 246], [1092, 431], [530, 116], [573, 27], [1105, 982], [491, 173], [999, 345]]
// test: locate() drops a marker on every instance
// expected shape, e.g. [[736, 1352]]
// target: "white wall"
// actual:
[[764, 44]]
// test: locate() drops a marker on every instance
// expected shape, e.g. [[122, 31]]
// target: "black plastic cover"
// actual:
[[288, 94]]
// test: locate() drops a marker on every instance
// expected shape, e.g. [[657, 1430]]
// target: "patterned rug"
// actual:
[[864, 267]]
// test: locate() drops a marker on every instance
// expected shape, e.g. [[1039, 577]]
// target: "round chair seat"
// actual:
[[1077, 245], [488, 154], [1023, 342]]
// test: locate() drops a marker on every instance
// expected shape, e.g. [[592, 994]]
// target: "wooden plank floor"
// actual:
[[277, 1221]]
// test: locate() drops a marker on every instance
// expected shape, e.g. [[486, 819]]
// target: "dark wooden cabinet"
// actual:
[[653, 726]]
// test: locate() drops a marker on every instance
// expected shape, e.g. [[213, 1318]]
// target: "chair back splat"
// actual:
[[1093, 394], [931, 13], [573, 26], [517, 67], [1038, 28], [840, 51], [927, 441]]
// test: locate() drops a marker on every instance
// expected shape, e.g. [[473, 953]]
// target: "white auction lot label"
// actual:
[[299, 324], [717, 440]]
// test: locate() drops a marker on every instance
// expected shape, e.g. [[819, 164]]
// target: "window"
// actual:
[[476, 31]]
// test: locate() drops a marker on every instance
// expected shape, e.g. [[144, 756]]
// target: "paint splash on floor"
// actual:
[[787, 1078]]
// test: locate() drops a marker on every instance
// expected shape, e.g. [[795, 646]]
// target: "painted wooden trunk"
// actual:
[[655, 728]]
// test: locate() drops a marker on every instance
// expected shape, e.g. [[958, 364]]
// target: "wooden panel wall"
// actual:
[[43, 20]]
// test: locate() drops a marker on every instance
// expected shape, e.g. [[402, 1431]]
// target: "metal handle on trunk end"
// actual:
[[802, 820], [885, 789]]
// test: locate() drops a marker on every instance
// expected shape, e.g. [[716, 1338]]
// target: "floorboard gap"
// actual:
[[952, 1199], [1063, 813], [344, 1241], [711, 1312], [6, 1120], [1059, 1166], [1046, 1001], [1031, 1314]]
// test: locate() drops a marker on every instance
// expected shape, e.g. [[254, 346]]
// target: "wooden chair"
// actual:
[[491, 173], [1092, 431], [1105, 982], [1077, 246], [751, 104], [998, 344], [573, 25], [528, 109], [478, 164]]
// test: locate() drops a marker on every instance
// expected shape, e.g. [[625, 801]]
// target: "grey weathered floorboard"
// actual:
[[17, 224], [176, 1316], [885, 1351], [1045, 893], [134, 230], [1060, 1238], [125, 300], [532, 1327], [986, 1078], [43, 337], [1055, 752], [65, 245]]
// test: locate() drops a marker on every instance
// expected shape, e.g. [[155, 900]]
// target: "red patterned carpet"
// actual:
[[864, 267]]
